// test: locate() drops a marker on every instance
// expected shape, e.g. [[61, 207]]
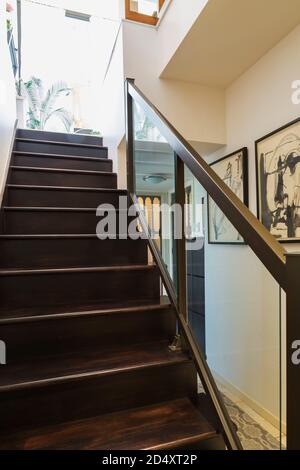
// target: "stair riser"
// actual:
[[52, 222], [60, 137], [68, 163], [74, 289], [63, 253], [92, 397], [42, 178], [59, 149], [20, 197], [26, 341]]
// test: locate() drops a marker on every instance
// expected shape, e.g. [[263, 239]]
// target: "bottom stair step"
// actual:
[[80, 385], [170, 425], [80, 365]]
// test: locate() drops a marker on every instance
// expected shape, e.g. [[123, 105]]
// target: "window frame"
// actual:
[[139, 17]]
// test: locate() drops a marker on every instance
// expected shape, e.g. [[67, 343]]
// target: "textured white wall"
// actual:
[[7, 100]]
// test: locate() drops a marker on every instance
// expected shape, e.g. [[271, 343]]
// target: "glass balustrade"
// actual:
[[233, 304]]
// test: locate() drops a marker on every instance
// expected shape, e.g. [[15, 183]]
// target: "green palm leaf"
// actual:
[[64, 116], [33, 93], [58, 89], [42, 107]]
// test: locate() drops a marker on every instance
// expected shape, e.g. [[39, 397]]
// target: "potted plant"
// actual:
[[42, 106]]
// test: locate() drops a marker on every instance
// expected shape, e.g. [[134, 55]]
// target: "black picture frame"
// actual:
[[244, 152], [260, 187]]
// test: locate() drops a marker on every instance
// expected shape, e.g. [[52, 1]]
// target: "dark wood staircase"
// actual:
[[88, 362]]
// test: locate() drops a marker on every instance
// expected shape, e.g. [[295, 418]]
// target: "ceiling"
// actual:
[[154, 158], [90, 7], [230, 36]]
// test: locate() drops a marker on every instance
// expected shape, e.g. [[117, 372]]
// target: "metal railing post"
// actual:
[[129, 137], [180, 242]]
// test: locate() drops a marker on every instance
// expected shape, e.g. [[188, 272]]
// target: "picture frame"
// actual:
[[278, 182], [233, 169]]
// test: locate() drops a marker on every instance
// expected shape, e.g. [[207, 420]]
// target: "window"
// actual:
[[143, 11]]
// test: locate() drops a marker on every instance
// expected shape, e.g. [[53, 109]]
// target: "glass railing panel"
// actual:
[[154, 181], [234, 311]]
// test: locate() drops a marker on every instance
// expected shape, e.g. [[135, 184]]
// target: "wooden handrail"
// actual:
[[264, 245]]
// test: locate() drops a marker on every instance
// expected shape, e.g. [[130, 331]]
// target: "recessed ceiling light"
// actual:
[[154, 179]]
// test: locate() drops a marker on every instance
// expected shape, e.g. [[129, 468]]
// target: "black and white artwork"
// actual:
[[278, 181], [233, 169]]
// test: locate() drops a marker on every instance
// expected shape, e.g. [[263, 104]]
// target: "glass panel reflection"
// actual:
[[154, 165], [234, 312]]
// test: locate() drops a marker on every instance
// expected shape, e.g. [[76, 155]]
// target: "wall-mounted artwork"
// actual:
[[233, 169], [278, 182]]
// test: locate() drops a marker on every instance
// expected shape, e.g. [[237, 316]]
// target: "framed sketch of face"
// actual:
[[278, 182], [233, 169]]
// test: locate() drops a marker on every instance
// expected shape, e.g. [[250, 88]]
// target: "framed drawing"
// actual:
[[278, 182], [233, 169]]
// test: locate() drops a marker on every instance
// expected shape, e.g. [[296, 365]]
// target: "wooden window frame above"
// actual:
[[139, 17]]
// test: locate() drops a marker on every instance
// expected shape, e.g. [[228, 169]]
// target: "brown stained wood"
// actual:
[[61, 177], [51, 142], [30, 408], [139, 17], [66, 148], [61, 220], [39, 289], [60, 137], [59, 196], [51, 156], [40, 336], [64, 251], [30, 159], [85, 364], [85, 312], [168, 425]]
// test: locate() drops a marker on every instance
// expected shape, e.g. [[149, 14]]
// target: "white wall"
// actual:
[[242, 299], [112, 109], [7, 100], [175, 26], [198, 112]]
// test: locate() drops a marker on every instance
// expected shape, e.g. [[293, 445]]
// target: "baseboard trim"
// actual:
[[254, 405]]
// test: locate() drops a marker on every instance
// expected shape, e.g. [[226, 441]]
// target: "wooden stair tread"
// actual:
[[47, 236], [66, 188], [64, 310], [167, 425], [55, 142], [57, 155], [57, 209], [27, 315], [82, 365], [28, 272], [61, 170]]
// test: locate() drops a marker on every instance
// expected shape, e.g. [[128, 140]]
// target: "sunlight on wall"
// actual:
[[59, 48]]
